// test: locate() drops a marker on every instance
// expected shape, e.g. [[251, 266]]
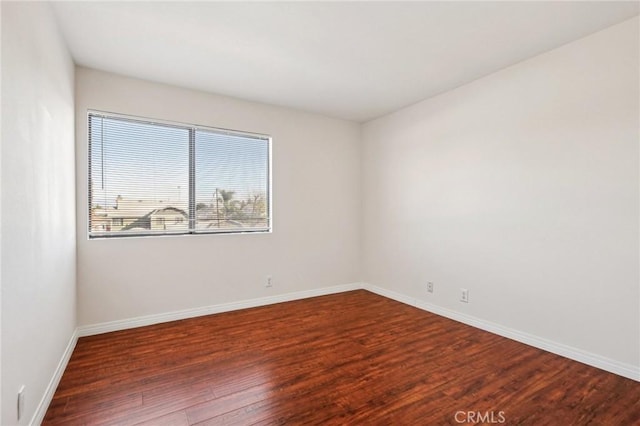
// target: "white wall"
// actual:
[[38, 200], [523, 188], [314, 244]]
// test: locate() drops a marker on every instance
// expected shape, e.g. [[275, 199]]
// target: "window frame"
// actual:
[[192, 211]]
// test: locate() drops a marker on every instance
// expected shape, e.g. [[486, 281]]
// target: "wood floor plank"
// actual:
[[349, 358], [177, 418]]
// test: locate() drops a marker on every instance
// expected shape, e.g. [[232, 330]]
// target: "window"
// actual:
[[158, 178]]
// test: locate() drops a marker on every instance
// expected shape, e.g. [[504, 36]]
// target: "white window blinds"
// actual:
[[156, 178]]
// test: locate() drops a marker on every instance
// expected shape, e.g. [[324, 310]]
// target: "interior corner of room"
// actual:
[[509, 201]]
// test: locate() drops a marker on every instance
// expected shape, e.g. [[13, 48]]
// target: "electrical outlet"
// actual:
[[268, 283], [464, 295], [430, 287], [20, 404]]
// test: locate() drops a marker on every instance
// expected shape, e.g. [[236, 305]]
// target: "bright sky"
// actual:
[[148, 161]]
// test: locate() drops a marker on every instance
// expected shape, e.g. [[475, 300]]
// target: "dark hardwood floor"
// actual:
[[352, 358]]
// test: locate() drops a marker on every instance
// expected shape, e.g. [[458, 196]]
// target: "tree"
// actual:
[[258, 207], [250, 211], [227, 196]]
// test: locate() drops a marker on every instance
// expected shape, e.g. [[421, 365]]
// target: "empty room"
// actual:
[[341, 213]]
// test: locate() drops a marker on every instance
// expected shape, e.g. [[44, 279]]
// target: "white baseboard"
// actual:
[[90, 330], [622, 369], [41, 410]]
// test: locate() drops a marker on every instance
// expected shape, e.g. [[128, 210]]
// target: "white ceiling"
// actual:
[[353, 60]]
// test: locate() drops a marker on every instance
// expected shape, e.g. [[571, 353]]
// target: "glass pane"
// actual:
[[232, 173], [139, 179]]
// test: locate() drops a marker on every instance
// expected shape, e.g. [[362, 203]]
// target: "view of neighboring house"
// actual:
[[131, 215], [151, 215]]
